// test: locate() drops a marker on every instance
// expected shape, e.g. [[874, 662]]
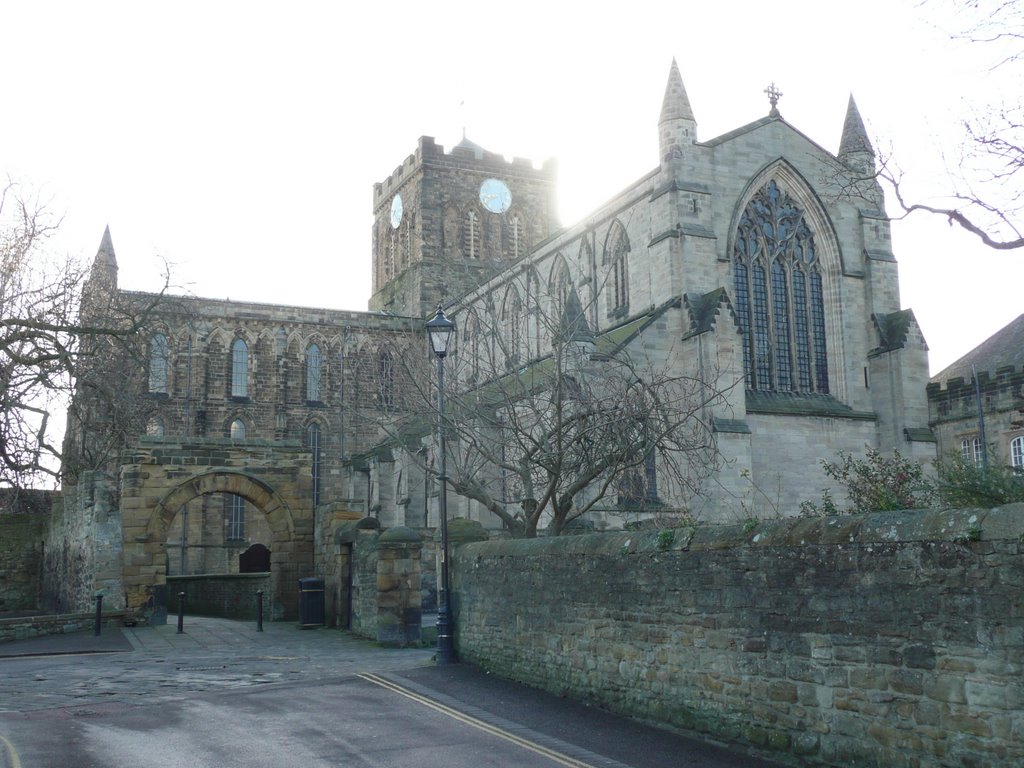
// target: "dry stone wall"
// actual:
[[894, 639]]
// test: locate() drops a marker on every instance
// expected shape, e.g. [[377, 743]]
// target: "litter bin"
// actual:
[[311, 603]]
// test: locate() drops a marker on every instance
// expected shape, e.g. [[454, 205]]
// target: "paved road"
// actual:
[[223, 695]]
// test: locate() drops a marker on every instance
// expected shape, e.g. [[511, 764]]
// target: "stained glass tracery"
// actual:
[[779, 293]]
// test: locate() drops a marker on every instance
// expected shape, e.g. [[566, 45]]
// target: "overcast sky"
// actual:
[[241, 141]]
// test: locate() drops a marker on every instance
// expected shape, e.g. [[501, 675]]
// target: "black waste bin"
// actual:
[[311, 603]]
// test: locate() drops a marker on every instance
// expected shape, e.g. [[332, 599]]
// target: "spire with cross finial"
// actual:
[[774, 94]]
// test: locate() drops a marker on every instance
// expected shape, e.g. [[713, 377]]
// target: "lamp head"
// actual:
[[440, 331]]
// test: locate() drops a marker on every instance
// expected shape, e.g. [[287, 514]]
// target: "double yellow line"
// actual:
[[539, 749]]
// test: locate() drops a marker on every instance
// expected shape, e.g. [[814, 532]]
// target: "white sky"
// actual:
[[240, 141]]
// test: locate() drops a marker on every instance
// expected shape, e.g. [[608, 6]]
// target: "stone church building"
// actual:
[[758, 259]]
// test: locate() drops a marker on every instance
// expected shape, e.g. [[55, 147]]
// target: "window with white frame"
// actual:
[[1017, 453], [237, 430], [970, 450]]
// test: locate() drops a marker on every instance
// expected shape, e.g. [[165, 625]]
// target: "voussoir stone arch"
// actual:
[[252, 489]]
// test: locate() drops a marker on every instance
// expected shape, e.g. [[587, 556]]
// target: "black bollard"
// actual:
[[99, 616], [259, 611], [181, 613]]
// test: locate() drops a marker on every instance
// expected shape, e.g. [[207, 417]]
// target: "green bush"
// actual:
[[875, 483], [965, 484]]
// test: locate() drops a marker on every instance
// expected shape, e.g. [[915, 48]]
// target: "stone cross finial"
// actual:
[[774, 94]]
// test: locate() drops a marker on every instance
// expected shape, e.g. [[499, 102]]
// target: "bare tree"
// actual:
[[986, 198], [590, 423], [48, 343]]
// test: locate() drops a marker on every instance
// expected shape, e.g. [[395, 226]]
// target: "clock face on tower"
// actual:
[[495, 196], [396, 211]]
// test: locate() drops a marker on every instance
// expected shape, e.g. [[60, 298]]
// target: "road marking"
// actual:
[[12, 753], [557, 757]]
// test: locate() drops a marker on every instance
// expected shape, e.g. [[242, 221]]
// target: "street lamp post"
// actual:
[[440, 331]]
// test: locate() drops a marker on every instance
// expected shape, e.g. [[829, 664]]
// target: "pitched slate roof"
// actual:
[[1004, 349]]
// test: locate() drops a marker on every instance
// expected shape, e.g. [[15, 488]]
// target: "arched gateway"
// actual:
[[164, 475]]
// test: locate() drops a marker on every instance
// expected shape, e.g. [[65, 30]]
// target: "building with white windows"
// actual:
[[994, 370]]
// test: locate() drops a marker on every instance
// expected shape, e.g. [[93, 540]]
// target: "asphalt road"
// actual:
[[223, 697]]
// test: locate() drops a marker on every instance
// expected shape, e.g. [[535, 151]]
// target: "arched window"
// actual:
[[237, 430], [638, 486], [313, 436], [155, 427], [560, 287], [970, 450], [386, 378], [158, 363], [777, 278], [616, 259], [239, 368], [314, 374], [1017, 453]]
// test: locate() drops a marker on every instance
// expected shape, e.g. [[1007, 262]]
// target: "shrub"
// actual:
[[965, 484], [875, 483]]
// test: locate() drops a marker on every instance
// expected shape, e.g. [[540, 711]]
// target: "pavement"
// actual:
[[131, 668]]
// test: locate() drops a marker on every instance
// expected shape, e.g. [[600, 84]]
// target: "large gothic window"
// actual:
[[777, 279]]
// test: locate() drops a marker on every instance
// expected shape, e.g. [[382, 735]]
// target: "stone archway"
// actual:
[[166, 476]]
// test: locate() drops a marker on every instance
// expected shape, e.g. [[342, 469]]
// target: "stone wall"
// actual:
[[230, 595], [23, 523], [84, 548], [893, 639], [25, 627], [379, 582]]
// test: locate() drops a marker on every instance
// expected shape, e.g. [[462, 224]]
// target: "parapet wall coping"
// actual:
[[946, 525]]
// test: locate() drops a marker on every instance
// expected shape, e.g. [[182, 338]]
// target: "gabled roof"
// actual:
[[1004, 349], [892, 328]]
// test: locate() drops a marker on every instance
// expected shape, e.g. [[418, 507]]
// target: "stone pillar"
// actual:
[[399, 609]]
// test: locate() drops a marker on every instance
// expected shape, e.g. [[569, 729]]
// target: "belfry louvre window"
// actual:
[[779, 296]]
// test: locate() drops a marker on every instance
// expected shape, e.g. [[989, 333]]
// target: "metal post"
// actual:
[[181, 613], [445, 625], [981, 418], [259, 611], [99, 616]]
